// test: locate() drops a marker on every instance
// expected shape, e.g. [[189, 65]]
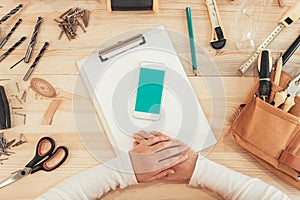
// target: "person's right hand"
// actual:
[[182, 171], [153, 158]]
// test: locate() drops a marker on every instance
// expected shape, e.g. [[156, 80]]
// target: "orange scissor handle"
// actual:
[[55, 160], [44, 148], [46, 158]]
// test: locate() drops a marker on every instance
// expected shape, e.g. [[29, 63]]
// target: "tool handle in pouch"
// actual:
[[264, 89], [295, 110], [279, 98], [264, 69], [289, 102]]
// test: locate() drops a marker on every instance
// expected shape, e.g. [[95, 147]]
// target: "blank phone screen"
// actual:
[[149, 92]]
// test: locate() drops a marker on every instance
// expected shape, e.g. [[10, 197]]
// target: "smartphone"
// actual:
[[150, 90]]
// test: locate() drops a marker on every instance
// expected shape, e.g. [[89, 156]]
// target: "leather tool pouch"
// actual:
[[269, 134]]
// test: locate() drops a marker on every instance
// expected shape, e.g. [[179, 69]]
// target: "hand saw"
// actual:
[[288, 19]]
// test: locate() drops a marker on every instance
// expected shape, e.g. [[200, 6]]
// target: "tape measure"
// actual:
[[289, 18]]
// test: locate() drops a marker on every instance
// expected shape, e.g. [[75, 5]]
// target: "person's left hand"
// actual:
[[154, 158], [182, 171]]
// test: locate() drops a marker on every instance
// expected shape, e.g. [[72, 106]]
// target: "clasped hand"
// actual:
[[156, 156]]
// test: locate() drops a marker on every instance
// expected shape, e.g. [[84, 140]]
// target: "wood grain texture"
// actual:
[[58, 67]]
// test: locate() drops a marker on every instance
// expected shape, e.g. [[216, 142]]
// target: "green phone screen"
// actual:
[[149, 92]]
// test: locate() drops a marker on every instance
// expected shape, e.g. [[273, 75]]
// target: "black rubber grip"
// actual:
[[220, 43], [264, 88], [264, 75], [127, 5], [219, 33], [5, 121], [264, 71]]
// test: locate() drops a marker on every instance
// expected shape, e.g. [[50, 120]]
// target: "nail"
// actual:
[[24, 96], [65, 13], [18, 88], [16, 107], [21, 114], [19, 100]]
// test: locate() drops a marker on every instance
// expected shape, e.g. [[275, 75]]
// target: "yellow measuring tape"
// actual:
[[289, 18]]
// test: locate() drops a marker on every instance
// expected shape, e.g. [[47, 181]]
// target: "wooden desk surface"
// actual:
[[58, 67]]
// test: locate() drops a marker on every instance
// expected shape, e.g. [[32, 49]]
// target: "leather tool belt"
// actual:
[[269, 134]]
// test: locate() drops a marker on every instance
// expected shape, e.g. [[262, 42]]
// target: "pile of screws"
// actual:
[[5, 145], [20, 100], [70, 20]]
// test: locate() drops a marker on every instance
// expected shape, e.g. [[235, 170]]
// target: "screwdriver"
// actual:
[[264, 69]]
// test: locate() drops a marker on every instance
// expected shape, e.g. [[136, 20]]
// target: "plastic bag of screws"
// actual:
[[70, 20]]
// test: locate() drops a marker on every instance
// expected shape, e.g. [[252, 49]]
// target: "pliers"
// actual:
[[286, 97]]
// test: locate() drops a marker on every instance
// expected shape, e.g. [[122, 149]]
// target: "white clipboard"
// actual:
[[112, 86]]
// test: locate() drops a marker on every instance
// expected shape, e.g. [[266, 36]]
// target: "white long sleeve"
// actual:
[[231, 184], [94, 182]]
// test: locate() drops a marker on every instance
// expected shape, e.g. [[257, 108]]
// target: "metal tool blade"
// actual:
[[294, 86], [213, 12], [18, 175]]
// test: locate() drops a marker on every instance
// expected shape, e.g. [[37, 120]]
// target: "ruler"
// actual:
[[289, 18]]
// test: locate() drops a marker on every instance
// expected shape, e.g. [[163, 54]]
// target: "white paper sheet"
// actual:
[[112, 86]]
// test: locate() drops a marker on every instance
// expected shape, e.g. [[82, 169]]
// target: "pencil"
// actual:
[[191, 37]]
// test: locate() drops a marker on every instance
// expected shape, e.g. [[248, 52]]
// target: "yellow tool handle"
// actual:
[[291, 16], [279, 98], [214, 36], [278, 71], [289, 102]]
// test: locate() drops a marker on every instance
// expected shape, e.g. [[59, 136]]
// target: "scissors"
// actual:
[[286, 97], [46, 158]]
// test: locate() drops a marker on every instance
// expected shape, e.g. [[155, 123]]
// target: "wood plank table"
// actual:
[[58, 67]]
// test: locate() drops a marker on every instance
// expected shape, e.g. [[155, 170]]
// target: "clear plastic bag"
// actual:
[[247, 22]]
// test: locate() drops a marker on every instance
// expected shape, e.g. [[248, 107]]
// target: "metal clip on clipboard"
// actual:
[[4, 110], [132, 5], [121, 47]]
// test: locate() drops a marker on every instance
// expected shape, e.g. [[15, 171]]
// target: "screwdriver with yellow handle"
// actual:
[[286, 97]]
